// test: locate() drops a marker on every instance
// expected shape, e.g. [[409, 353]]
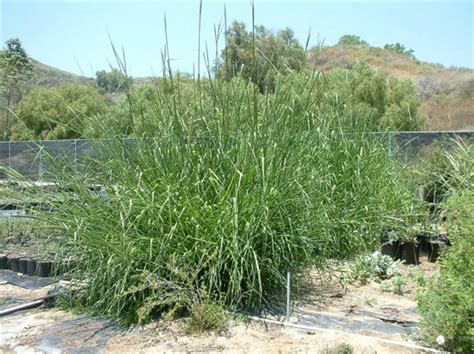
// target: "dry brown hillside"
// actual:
[[447, 95]]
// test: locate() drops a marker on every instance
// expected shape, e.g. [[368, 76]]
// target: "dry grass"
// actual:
[[449, 113]]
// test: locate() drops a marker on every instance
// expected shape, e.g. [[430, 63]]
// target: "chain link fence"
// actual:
[[29, 157]]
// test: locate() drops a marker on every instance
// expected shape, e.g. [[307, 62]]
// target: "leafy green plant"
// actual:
[[446, 303], [400, 48], [385, 287], [373, 267], [56, 112], [351, 39], [398, 283], [444, 167], [207, 316], [343, 348]]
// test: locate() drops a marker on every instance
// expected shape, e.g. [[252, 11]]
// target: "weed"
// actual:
[[343, 348], [207, 316], [385, 286], [398, 283], [373, 267]]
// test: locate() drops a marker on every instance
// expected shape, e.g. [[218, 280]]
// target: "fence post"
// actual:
[[9, 154], [40, 167], [390, 143], [288, 294], [75, 154]]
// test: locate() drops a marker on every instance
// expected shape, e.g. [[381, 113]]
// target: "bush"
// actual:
[[57, 112], [207, 316], [373, 267], [351, 39], [446, 304], [112, 81], [343, 348], [386, 103], [400, 48], [445, 167]]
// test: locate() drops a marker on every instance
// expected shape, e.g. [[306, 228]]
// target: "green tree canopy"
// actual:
[[273, 54], [112, 81], [385, 102], [16, 69], [57, 112], [400, 48], [351, 39]]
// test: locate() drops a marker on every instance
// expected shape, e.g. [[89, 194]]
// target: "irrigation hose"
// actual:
[[26, 306], [319, 329]]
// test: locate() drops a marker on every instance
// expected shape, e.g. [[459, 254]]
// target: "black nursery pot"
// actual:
[[3, 261], [22, 262], [425, 246], [391, 249], [44, 268], [13, 263], [31, 267], [435, 250], [411, 253]]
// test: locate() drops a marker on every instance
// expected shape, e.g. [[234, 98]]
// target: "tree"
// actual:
[[112, 81], [351, 39], [387, 102], [57, 112], [272, 55], [400, 48], [16, 69]]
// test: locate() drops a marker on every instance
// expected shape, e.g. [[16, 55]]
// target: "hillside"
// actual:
[[447, 94], [51, 76], [48, 75]]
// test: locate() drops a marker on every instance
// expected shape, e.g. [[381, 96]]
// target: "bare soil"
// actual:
[[324, 301]]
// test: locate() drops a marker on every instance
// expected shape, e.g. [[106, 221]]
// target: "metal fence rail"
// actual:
[[28, 157]]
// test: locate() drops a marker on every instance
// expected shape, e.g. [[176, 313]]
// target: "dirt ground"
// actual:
[[370, 318]]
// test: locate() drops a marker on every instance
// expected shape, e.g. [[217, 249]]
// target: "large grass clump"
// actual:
[[224, 202], [223, 196]]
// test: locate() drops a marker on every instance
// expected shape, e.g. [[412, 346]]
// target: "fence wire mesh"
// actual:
[[33, 159]]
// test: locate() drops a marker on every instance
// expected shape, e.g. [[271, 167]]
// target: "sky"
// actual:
[[74, 35]]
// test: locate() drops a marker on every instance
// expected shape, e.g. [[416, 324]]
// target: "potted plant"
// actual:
[[13, 262], [22, 262], [391, 244], [31, 267], [410, 248], [3, 261]]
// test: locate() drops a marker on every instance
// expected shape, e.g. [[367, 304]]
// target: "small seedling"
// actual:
[[385, 287], [398, 283]]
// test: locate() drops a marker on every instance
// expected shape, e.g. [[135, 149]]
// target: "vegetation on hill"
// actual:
[[49, 113], [387, 85], [446, 94], [260, 56], [15, 69]]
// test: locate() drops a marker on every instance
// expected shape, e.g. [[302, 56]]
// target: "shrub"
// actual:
[[57, 112], [387, 103], [207, 316], [343, 348], [400, 48], [445, 167], [373, 267], [351, 39], [446, 304], [112, 81]]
